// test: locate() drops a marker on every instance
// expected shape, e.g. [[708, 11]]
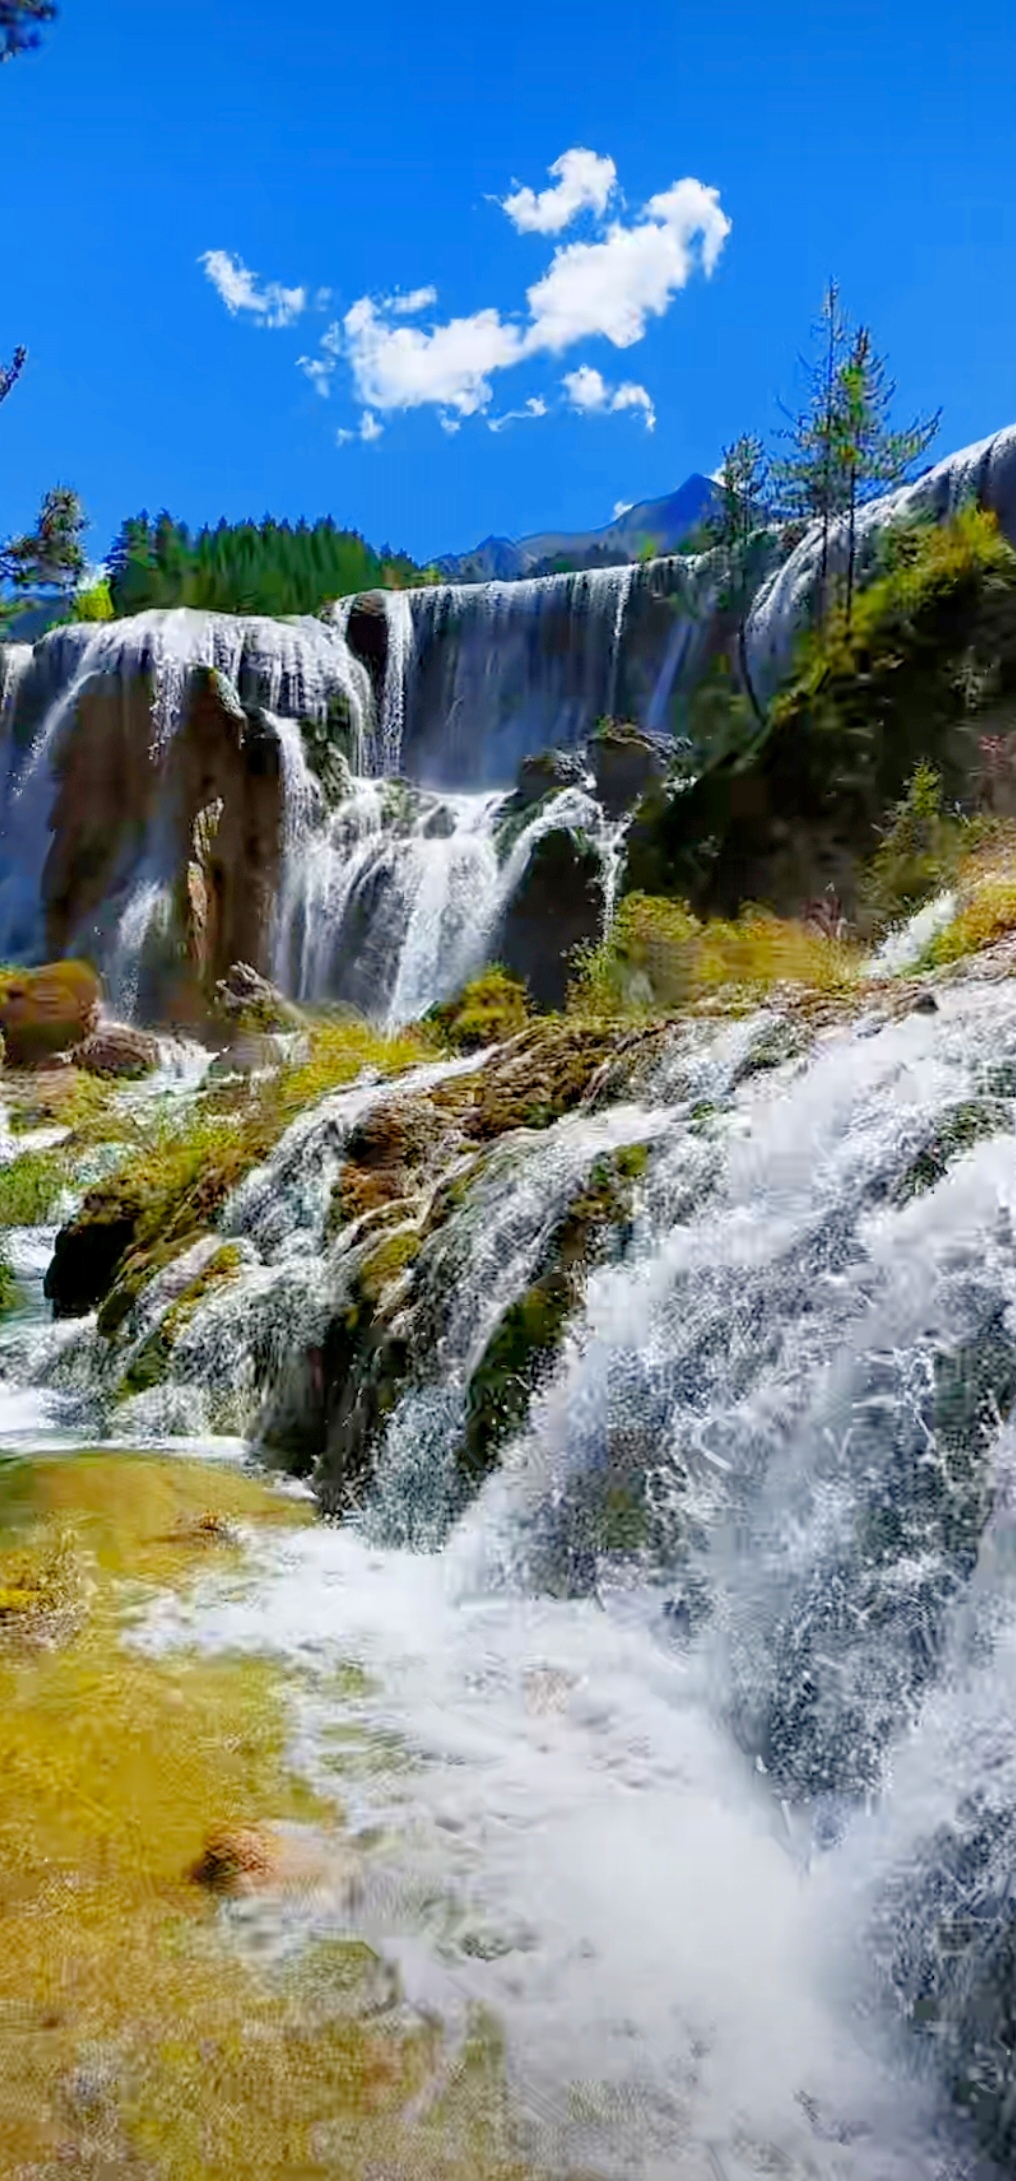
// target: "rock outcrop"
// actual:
[[559, 905], [48, 1011], [117, 1049]]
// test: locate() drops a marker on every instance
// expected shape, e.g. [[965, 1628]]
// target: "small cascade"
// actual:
[[496, 671], [398, 658]]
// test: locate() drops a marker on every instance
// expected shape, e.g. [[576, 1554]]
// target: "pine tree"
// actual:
[[11, 373], [872, 456], [808, 479], [47, 564], [738, 530], [20, 22]]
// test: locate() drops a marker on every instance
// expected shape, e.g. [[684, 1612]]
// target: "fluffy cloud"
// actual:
[[368, 430], [615, 286], [609, 288], [272, 305], [407, 306], [622, 507], [587, 391], [584, 183], [402, 367]]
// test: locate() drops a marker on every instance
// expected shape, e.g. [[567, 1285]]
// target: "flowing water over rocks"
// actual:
[[687, 1720]]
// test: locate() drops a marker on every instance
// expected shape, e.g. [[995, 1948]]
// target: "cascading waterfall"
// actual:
[[492, 672], [143, 671], [393, 900], [765, 1743]]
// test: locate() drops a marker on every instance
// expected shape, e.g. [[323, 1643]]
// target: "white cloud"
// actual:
[[368, 430], [586, 388], [418, 299], [608, 289], [631, 396], [584, 183], [587, 391], [622, 507], [535, 407], [272, 305], [448, 424], [613, 287], [319, 371], [400, 367]]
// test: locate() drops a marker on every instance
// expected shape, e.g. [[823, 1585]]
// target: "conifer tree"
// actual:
[[20, 22], [872, 455], [47, 563], [738, 530], [808, 479], [11, 373]]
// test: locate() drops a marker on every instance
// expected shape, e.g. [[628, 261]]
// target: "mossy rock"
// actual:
[[624, 760], [527, 1338], [9, 1291], [47, 1011], [958, 1129], [492, 1007], [152, 1362]]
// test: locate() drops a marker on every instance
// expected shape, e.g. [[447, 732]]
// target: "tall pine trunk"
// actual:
[[852, 546]]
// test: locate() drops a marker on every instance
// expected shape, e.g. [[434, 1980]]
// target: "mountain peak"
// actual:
[[661, 525]]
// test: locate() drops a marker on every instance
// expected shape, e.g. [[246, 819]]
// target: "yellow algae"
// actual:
[[133, 2038]]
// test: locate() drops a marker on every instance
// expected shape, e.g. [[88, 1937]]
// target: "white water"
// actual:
[[289, 669], [394, 900], [655, 1840]]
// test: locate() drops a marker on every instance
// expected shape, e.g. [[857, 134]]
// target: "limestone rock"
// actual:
[[624, 761], [47, 1011], [557, 906], [245, 998], [117, 1048]]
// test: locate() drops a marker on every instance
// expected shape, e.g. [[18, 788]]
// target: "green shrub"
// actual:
[[931, 645], [95, 604], [919, 855], [659, 956], [492, 1007], [31, 1187]]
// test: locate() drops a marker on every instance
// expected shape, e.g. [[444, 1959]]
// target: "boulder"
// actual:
[[47, 1011], [624, 762], [557, 906], [247, 1000], [116, 1048], [85, 1257], [545, 774]]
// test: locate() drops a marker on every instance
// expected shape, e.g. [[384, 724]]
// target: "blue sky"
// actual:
[[370, 154]]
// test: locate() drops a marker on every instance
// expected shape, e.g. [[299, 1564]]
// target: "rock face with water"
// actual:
[[187, 790]]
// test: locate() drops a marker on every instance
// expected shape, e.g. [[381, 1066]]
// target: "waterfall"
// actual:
[[697, 1801], [138, 676], [491, 672], [398, 658]]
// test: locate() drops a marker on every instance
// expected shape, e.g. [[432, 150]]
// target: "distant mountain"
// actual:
[[660, 524]]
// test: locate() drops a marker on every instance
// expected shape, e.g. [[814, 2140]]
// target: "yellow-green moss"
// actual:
[[31, 1186], [658, 955], [392, 1257], [492, 1007], [181, 1172], [986, 900], [116, 1767]]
